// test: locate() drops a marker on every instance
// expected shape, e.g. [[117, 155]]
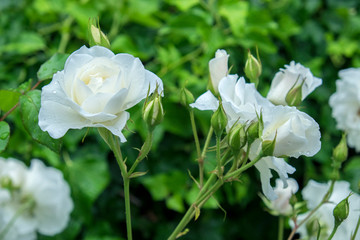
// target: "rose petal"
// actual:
[[206, 101]]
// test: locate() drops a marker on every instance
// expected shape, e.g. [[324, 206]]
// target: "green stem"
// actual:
[[333, 231], [356, 229], [324, 200], [218, 158], [145, 149], [202, 157], [115, 146], [127, 207], [243, 168], [23, 208], [65, 34], [197, 145], [281, 228]]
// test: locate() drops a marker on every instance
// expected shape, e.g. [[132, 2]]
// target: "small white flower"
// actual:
[[218, 68], [296, 132], [95, 89], [292, 76], [313, 194], [281, 204], [39, 195], [345, 104]]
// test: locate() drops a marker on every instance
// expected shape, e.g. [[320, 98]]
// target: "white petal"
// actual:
[[206, 101]]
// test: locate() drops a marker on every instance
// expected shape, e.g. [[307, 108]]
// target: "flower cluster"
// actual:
[[32, 200], [345, 104], [313, 194], [292, 133], [95, 89]]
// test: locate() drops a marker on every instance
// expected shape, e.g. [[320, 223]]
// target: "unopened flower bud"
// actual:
[[255, 129], [340, 152], [96, 36], [268, 147], [294, 96], [153, 113], [186, 97], [219, 120], [341, 211], [237, 137], [253, 68]]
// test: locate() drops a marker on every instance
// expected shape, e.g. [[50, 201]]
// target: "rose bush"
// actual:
[[294, 75], [95, 89]]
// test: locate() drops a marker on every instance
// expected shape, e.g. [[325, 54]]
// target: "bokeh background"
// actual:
[[175, 39]]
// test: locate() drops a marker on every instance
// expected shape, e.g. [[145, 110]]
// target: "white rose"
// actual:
[[51, 193], [95, 89], [345, 104], [296, 132], [282, 204], [218, 68], [313, 194], [241, 101], [44, 193], [293, 76]]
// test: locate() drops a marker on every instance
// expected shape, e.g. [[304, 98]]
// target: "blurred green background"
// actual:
[[175, 39]]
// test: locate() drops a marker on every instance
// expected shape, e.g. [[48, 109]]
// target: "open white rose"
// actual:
[[296, 132], [241, 101], [95, 89], [313, 194], [292, 76], [218, 68], [345, 104], [41, 192]]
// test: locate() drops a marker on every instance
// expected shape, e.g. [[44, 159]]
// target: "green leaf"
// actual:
[[29, 109], [235, 12], [90, 175], [4, 135], [8, 99], [51, 66], [27, 42]]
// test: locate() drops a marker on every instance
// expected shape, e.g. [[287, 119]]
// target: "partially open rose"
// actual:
[[95, 89]]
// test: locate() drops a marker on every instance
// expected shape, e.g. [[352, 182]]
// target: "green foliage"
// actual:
[[175, 39], [54, 64], [29, 107], [4, 135]]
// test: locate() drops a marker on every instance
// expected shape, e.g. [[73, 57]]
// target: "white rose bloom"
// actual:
[[345, 104], [241, 101], [313, 194], [281, 204], [218, 68], [51, 193], [95, 89], [42, 194], [296, 132], [292, 76]]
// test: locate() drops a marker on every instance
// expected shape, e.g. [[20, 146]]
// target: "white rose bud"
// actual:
[[282, 204], [95, 89], [294, 75], [218, 68]]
